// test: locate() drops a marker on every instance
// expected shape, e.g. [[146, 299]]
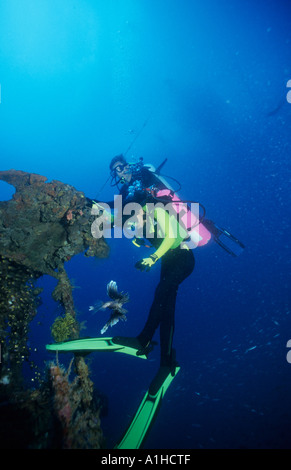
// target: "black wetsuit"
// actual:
[[176, 266], [147, 179]]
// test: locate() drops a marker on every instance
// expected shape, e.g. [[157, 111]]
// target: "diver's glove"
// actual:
[[145, 264]]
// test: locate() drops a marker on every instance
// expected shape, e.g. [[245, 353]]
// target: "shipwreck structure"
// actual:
[[42, 227]]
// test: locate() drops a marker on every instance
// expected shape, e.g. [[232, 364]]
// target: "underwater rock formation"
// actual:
[[41, 227], [45, 224]]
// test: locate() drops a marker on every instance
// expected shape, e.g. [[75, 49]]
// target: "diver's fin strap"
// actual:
[[147, 349], [87, 345], [148, 410], [135, 344]]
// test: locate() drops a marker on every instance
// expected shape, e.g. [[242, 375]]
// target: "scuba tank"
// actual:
[[200, 230], [187, 216]]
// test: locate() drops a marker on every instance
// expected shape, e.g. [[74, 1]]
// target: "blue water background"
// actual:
[[205, 81]]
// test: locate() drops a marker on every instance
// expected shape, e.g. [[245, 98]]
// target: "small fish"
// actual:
[[250, 349], [116, 305]]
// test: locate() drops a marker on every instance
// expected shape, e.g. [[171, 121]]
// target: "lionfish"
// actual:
[[116, 305]]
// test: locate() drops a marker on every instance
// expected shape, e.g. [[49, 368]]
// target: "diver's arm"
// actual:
[[172, 233]]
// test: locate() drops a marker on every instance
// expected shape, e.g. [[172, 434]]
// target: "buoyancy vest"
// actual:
[[187, 215]]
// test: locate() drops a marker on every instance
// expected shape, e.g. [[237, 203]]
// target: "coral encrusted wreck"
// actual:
[[41, 227]]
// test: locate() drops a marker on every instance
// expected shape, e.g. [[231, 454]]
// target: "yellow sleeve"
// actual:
[[170, 230]]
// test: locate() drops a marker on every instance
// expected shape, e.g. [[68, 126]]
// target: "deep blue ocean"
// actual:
[[203, 84]]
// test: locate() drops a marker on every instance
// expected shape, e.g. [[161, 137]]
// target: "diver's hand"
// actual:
[[145, 264]]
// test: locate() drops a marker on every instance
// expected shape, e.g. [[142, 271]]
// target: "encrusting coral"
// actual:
[[74, 407], [64, 328], [42, 227]]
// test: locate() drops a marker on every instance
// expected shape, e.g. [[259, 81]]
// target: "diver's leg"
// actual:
[[155, 314], [159, 302], [178, 267]]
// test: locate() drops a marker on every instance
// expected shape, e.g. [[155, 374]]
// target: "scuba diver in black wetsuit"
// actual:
[[176, 263], [170, 239]]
